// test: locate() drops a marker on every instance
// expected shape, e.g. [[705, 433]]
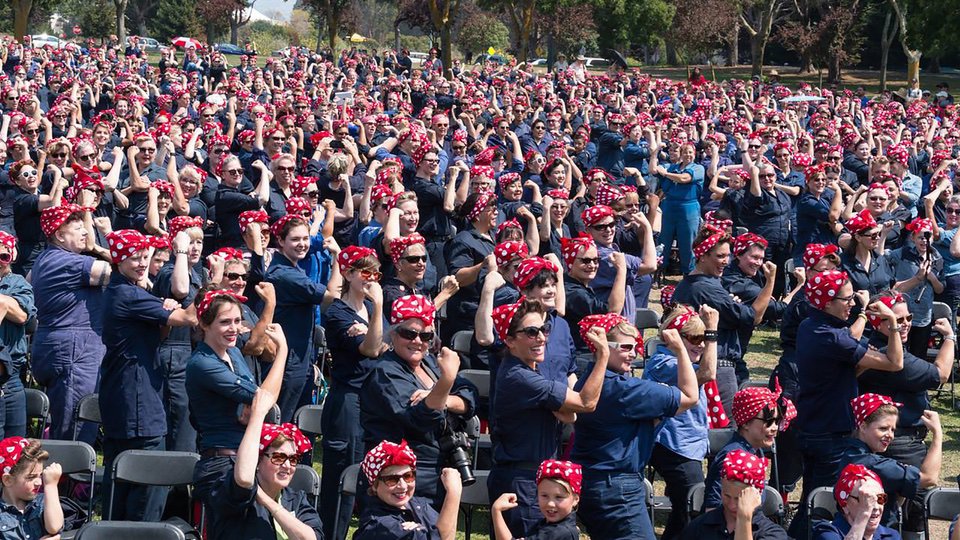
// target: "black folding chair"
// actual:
[[820, 506], [940, 503], [38, 408], [349, 479], [473, 496], [88, 410], [307, 418], [77, 459], [153, 468], [125, 530], [306, 479]]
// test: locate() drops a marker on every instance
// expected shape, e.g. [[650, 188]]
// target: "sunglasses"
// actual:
[[622, 347], [533, 331], [370, 275], [907, 319], [411, 335], [696, 339], [833, 158], [234, 172], [414, 259], [276, 139], [31, 131], [872, 236], [589, 260], [768, 175], [604, 226], [768, 422], [391, 480], [235, 276], [28, 174], [754, 146], [86, 157], [955, 211], [431, 161], [218, 151], [148, 150], [881, 498], [877, 199], [286, 169], [279, 458]]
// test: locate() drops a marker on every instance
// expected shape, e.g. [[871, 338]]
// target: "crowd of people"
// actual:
[[201, 243]]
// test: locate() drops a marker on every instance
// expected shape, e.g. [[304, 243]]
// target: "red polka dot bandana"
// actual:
[[297, 206], [349, 255], [212, 295], [591, 216], [387, 454], [920, 225], [503, 316], [848, 480], [11, 449], [510, 223], [52, 218], [159, 242], [379, 192], [508, 178], [815, 252], [412, 306], [866, 404], [743, 242], [716, 415], [163, 187], [299, 185], [682, 319], [849, 138], [607, 321], [252, 216], [483, 200], [8, 240], [228, 254], [824, 286], [124, 243], [750, 402], [281, 221], [741, 466], [608, 193], [666, 296], [558, 193], [861, 222], [485, 157], [508, 251], [888, 301], [710, 218], [567, 471], [482, 171], [529, 268], [801, 160], [182, 223], [899, 153], [709, 242], [570, 248], [270, 431], [83, 180], [399, 245]]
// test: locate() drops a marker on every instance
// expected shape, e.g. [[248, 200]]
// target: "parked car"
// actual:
[[229, 48], [41, 40], [498, 59], [538, 62]]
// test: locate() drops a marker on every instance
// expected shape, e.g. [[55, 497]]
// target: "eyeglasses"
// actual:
[[391, 480], [877, 199], [28, 174], [285, 169], [881, 498], [696, 339], [414, 259], [59, 155], [411, 335], [148, 150], [589, 260], [370, 275], [907, 319], [234, 172], [539, 127], [533, 331], [768, 175], [86, 157], [218, 151], [279, 458], [604, 226], [31, 131], [313, 194], [342, 133], [233, 276], [872, 236], [458, 147], [955, 211], [845, 299], [431, 161], [622, 347]]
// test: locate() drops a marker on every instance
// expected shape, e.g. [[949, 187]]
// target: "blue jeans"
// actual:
[[680, 222], [822, 454], [342, 447], [14, 408], [614, 506], [131, 502]]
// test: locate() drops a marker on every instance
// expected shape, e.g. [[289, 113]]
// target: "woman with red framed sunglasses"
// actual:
[[17, 307]]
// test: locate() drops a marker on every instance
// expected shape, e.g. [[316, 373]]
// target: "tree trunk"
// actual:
[[333, 26], [934, 65], [211, 32], [21, 16], [121, 6], [733, 45], [834, 70], [319, 34], [396, 37], [446, 50], [758, 45], [234, 30], [551, 51], [890, 28], [672, 59], [913, 63]]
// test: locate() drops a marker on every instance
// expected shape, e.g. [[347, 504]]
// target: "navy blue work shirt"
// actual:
[[524, 427], [618, 436], [130, 378], [908, 386], [827, 372], [813, 221], [230, 202], [713, 526], [216, 391], [768, 215], [468, 248], [297, 295], [435, 223], [17, 525], [839, 528], [380, 521], [163, 288], [14, 336], [878, 277], [582, 300], [350, 366], [565, 529], [747, 289], [698, 289], [898, 479]]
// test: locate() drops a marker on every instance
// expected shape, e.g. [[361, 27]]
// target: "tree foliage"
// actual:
[[641, 22], [96, 18], [571, 27], [689, 32], [479, 31], [174, 18]]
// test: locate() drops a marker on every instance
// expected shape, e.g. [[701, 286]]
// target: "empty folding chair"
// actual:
[[306, 479], [125, 530], [473, 496], [695, 499], [307, 418], [38, 408], [772, 504], [480, 378], [820, 506], [88, 410], [348, 486], [153, 468], [941, 503], [75, 458]]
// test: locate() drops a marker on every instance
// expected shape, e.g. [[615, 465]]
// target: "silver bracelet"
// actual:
[[951, 337]]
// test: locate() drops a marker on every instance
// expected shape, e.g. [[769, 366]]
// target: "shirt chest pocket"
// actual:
[[8, 524]]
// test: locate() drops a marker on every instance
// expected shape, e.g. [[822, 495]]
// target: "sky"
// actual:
[[267, 6]]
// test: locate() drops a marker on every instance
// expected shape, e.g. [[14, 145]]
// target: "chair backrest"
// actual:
[[695, 498], [461, 341], [772, 505], [306, 479], [719, 438], [648, 487], [88, 409], [348, 480], [124, 530], [480, 378], [943, 503], [647, 318], [307, 418], [38, 404], [941, 311], [273, 417], [650, 346], [73, 456], [477, 494], [155, 468], [749, 383], [821, 504]]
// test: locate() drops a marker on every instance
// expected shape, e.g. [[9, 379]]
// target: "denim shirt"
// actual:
[[685, 433], [27, 525]]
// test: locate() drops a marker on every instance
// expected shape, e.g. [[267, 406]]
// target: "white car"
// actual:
[[539, 62], [41, 40]]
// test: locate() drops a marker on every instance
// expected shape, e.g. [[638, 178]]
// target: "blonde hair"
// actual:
[[693, 326]]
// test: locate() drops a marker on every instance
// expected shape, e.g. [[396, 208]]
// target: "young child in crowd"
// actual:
[[558, 494], [30, 507]]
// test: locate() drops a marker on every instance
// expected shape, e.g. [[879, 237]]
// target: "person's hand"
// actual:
[[881, 310], [449, 362], [103, 225], [51, 474], [671, 338], [617, 259], [373, 292], [493, 281], [451, 480], [748, 502], [449, 285], [598, 337], [736, 298], [942, 327], [216, 263], [275, 332], [170, 304], [769, 270], [332, 246], [86, 198], [418, 395], [266, 292], [505, 502], [800, 274], [181, 242], [861, 505], [490, 261], [931, 419], [710, 317], [263, 401], [863, 297], [923, 270]]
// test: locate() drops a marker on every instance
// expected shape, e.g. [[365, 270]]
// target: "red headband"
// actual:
[[815, 252], [387, 454], [567, 471], [400, 244], [824, 286], [571, 247], [211, 295], [412, 306], [11, 449], [270, 431], [124, 243], [529, 268], [866, 404], [504, 252], [846, 483], [743, 242], [709, 242], [252, 216], [351, 254], [503, 316], [740, 466]]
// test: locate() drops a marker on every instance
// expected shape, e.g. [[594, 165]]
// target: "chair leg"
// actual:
[[468, 522]]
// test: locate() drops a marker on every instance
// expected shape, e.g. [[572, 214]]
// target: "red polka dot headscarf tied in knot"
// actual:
[[529, 268], [594, 214], [299, 185], [567, 471], [938, 158], [813, 170], [52, 218], [866, 404], [380, 192], [504, 252], [847, 481], [412, 306], [212, 295], [351, 254], [252, 216], [666, 296], [503, 315], [711, 218], [163, 187], [8, 240], [485, 157], [11, 449], [709, 242], [124, 243], [899, 153], [849, 138], [182, 223], [750, 402], [229, 254], [681, 320], [743, 242], [281, 221], [607, 321], [801, 160], [159, 242], [741, 466], [387, 454], [570, 248], [246, 136], [888, 301], [400, 244], [297, 206], [482, 171], [270, 432], [920, 225], [861, 222], [505, 179], [814, 252], [608, 194], [558, 193], [823, 287], [483, 199]]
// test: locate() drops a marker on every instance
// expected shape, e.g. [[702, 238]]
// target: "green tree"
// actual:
[[626, 24], [174, 18], [481, 31], [96, 18]]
